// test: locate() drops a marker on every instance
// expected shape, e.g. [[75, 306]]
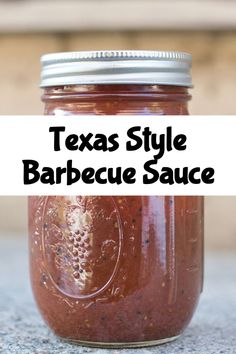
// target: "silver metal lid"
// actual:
[[116, 67]]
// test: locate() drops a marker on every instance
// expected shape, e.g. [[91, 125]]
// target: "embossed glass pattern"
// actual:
[[116, 271]]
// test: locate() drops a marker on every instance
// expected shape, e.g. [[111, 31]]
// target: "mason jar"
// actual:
[[116, 271]]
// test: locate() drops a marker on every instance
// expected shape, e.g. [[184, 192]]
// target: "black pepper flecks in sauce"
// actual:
[[116, 269]]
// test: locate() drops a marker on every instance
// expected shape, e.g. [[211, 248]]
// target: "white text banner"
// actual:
[[118, 155]]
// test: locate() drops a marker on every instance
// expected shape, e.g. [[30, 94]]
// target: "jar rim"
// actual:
[[116, 67]]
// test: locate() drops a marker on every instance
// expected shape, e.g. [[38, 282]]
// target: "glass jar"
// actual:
[[118, 271]]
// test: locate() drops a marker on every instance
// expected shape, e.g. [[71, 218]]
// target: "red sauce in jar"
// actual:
[[116, 271]]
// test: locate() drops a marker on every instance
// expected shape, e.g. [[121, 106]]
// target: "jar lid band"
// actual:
[[116, 67]]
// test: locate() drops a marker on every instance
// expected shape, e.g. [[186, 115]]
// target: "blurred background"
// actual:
[[204, 28]]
